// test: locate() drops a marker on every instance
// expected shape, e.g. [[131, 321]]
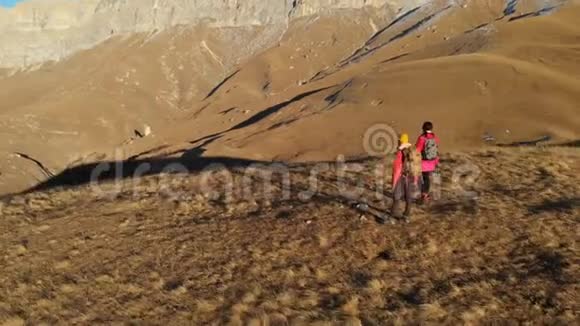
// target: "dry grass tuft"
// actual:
[[353, 321], [473, 316], [509, 256], [14, 322], [432, 312], [351, 307]]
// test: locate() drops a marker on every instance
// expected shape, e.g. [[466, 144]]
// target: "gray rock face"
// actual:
[[36, 31]]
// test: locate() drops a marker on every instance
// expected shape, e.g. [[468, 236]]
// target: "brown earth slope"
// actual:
[[469, 70], [176, 250], [474, 68], [84, 108]]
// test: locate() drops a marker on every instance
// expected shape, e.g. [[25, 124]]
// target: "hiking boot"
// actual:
[[396, 210], [407, 213], [425, 199], [386, 219]]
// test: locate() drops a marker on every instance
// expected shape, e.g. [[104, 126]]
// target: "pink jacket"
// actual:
[[397, 168], [427, 166]]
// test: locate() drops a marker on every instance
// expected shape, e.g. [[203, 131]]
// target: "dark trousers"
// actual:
[[403, 192], [426, 184], [403, 189]]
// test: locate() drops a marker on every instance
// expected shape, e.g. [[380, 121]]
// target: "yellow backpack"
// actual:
[[412, 162]]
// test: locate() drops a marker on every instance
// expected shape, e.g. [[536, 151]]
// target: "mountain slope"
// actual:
[[84, 108], [473, 80]]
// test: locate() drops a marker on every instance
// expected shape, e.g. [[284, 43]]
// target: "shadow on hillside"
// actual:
[[565, 205], [119, 170], [533, 142], [575, 143], [541, 142], [190, 162]]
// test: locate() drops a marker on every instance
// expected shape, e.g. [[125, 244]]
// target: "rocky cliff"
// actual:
[[36, 31]]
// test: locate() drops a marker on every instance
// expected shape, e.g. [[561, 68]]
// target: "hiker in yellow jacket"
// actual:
[[406, 177]]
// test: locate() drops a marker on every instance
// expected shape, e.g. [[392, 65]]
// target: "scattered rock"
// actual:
[[62, 265], [124, 224], [43, 228], [488, 138], [376, 102], [483, 86], [146, 131], [179, 291], [67, 288]]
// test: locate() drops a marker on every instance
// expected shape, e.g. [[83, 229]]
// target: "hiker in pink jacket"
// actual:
[[428, 146]]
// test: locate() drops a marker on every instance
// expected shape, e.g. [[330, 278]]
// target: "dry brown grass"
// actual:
[[70, 256]]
